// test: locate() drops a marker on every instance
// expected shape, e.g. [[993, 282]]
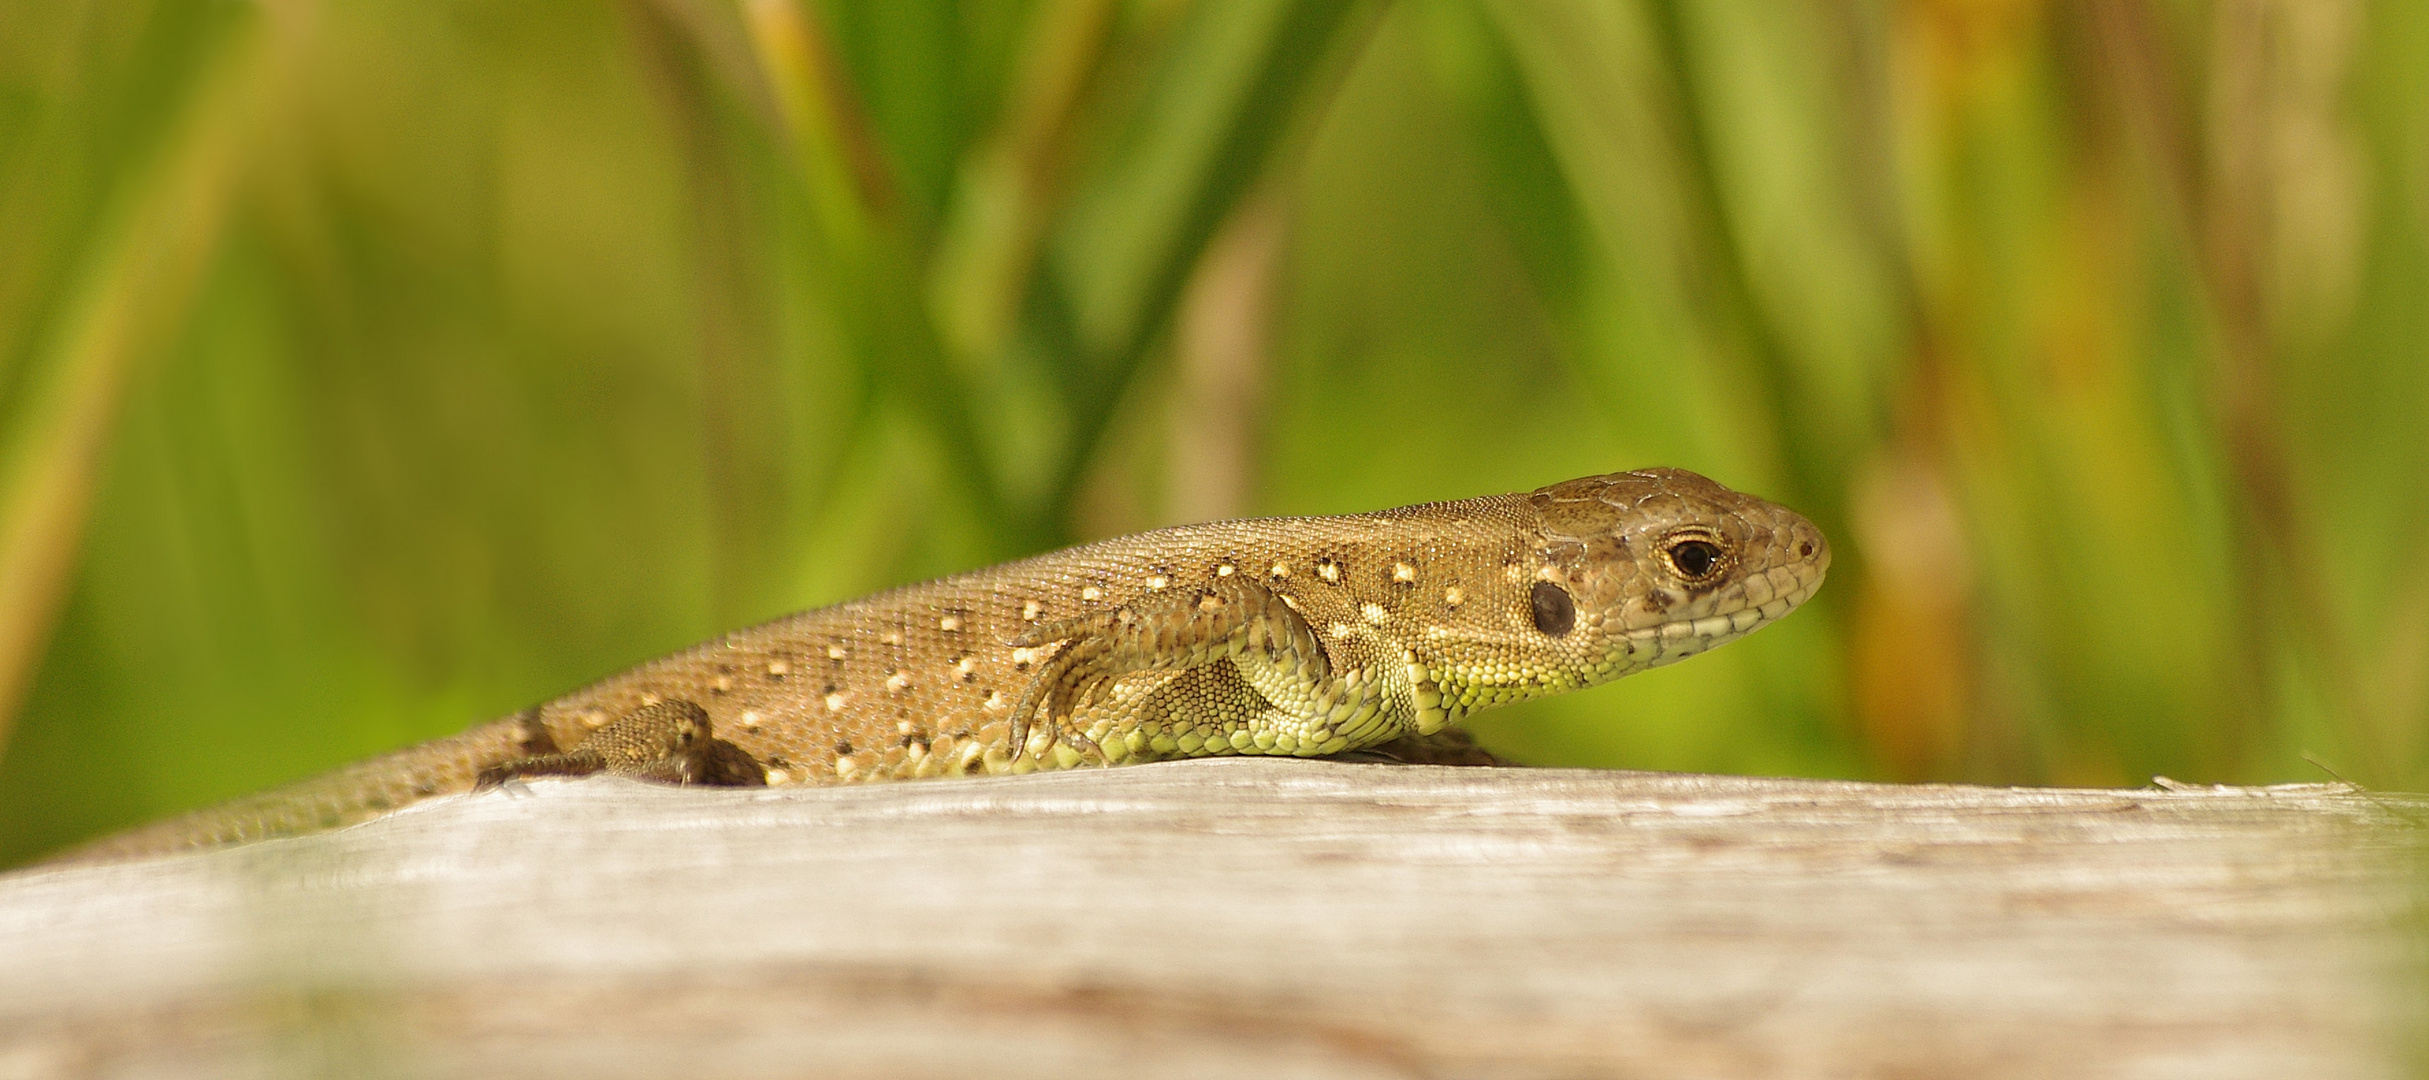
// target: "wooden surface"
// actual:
[[1249, 918]]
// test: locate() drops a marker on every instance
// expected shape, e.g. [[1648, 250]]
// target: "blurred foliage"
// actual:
[[374, 367]]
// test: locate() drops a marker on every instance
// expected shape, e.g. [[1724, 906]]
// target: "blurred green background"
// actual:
[[370, 368]]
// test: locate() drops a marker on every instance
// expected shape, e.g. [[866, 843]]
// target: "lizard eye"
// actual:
[[1555, 613], [1695, 557]]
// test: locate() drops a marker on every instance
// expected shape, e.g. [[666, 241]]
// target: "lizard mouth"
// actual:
[[1671, 642]]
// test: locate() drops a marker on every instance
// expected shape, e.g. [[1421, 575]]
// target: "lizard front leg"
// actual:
[[1251, 677], [668, 742]]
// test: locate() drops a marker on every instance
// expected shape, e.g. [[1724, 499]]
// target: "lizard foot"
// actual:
[[667, 743], [1450, 746]]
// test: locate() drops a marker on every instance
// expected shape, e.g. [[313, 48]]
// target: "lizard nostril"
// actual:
[[1805, 550]]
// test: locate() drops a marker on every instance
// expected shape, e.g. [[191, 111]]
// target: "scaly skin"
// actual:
[[1296, 636]]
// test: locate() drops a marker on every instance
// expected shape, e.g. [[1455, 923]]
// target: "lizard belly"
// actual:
[[1221, 709]]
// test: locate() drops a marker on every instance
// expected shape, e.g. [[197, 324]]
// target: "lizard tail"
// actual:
[[353, 794]]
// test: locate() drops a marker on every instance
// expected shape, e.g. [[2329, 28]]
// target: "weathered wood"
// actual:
[[1249, 918]]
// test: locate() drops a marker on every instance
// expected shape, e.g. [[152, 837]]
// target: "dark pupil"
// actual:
[[1694, 558], [1555, 613]]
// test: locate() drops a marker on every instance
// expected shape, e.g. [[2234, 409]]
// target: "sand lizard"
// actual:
[[1298, 636]]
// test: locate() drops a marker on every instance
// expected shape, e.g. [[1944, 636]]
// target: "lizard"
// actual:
[[1298, 636]]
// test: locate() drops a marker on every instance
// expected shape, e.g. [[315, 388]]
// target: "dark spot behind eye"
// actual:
[[1555, 613]]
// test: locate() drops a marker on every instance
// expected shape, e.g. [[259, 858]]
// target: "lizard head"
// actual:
[[1644, 568]]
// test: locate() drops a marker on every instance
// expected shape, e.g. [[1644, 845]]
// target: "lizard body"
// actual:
[[1297, 636]]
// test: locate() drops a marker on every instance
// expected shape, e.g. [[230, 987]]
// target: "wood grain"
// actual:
[[1244, 917]]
